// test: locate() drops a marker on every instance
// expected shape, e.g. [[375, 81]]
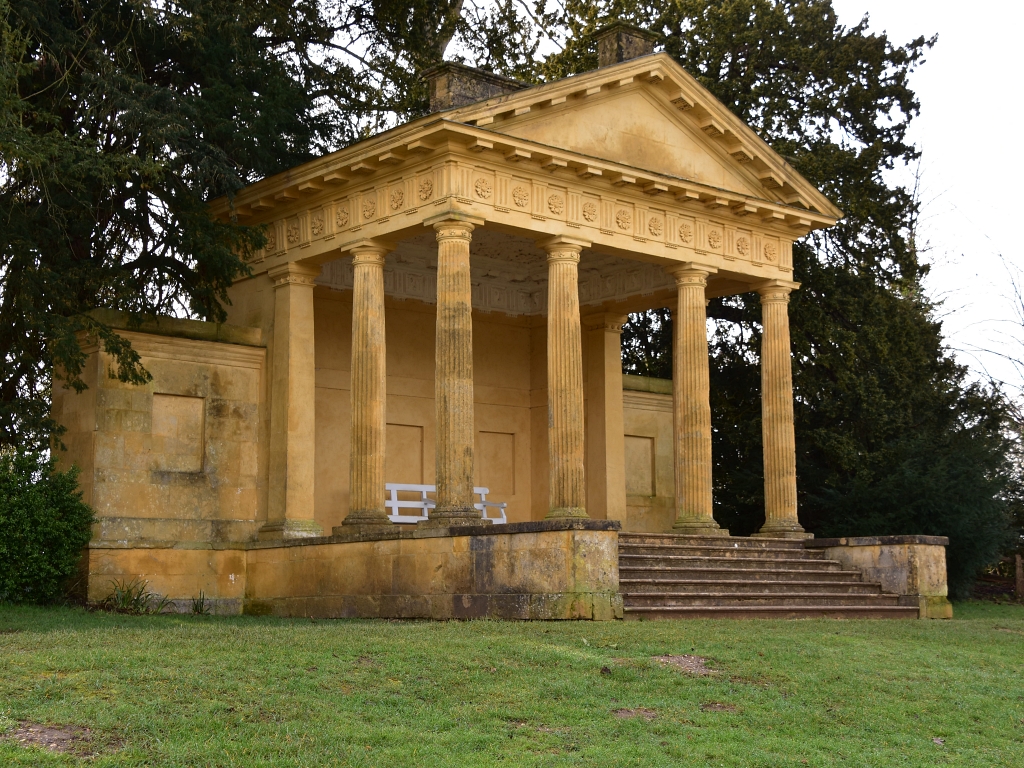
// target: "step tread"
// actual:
[[711, 558], [753, 582], [680, 569], [752, 611], [732, 595]]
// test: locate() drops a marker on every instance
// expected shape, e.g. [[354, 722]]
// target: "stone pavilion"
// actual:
[[441, 304]]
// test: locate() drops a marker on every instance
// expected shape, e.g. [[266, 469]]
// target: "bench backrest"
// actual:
[[424, 503]]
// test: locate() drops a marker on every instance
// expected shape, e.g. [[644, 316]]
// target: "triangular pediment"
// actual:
[[632, 128], [650, 114]]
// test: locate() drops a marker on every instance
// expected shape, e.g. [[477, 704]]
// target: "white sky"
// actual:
[[970, 98]]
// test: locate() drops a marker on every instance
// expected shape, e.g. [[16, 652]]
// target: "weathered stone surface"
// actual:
[[913, 567], [456, 85], [565, 569]]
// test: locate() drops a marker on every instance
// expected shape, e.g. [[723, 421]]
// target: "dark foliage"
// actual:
[[892, 438], [44, 525]]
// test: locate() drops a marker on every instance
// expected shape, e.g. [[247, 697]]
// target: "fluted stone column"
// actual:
[[369, 390], [453, 378], [778, 438], [292, 406], [566, 489], [691, 395], [606, 444]]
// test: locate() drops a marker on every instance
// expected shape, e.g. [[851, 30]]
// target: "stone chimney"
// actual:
[[456, 85], [619, 41]]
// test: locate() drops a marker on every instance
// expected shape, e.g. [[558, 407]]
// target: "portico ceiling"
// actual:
[[509, 275]]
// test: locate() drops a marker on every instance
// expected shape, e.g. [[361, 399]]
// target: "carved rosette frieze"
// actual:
[[506, 191]]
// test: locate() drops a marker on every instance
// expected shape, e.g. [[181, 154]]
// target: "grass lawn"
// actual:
[[194, 690]]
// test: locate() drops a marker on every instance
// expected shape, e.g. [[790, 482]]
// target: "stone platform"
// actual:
[[558, 569]]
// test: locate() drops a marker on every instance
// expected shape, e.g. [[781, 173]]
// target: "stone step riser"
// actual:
[[634, 600], [651, 561], [749, 588], [752, 554], [750, 612], [717, 574], [780, 545]]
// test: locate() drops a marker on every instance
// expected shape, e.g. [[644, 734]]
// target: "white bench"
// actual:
[[424, 504]]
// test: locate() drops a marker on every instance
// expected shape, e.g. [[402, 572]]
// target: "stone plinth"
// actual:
[[913, 567], [556, 569]]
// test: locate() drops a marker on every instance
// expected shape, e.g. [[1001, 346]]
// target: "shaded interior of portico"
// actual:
[[509, 288], [509, 275]]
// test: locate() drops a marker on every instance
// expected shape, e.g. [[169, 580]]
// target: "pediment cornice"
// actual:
[[433, 140]]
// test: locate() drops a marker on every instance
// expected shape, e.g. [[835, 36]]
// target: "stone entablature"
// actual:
[[480, 162], [741, 237], [506, 280]]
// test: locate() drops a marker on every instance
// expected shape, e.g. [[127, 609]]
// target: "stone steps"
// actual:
[[765, 562], [669, 576], [746, 587], [723, 553], [770, 612], [698, 573]]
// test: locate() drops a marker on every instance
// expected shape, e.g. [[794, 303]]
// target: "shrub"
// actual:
[[44, 524]]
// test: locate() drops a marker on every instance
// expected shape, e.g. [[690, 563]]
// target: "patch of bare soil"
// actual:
[[68, 739], [627, 714], [691, 665], [717, 706]]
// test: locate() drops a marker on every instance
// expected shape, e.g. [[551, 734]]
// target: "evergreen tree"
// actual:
[[892, 438]]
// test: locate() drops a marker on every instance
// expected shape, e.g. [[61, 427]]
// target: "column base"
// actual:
[[366, 518], [448, 518], [782, 530], [698, 527], [290, 529], [559, 513]]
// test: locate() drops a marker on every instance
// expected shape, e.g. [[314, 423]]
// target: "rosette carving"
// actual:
[[482, 188], [369, 208], [655, 227], [397, 199], [685, 233], [715, 238], [556, 204], [520, 197], [623, 218], [316, 223], [589, 211], [426, 189]]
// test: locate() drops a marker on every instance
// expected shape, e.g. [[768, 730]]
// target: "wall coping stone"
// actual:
[[198, 330], [875, 541], [397, 531], [646, 384]]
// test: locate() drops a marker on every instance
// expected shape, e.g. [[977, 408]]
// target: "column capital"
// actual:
[[453, 220], [691, 273], [294, 273], [775, 290], [369, 250], [563, 244]]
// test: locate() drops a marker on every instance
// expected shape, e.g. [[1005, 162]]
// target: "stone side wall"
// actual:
[[174, 462], [543, 570], [650, 473], [913, 567], [519, 571]]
